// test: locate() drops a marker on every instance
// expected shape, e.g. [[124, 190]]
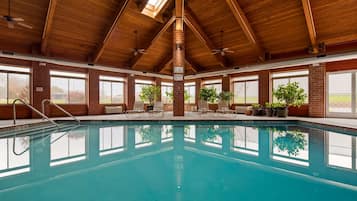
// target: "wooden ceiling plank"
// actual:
[[105, 41], [194, 66], [135, 60], [196, 28], [48, 25], [310, 25], [168, 60], [241, 18]]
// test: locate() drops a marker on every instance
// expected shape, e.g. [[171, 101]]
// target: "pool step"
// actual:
[[37, 130]]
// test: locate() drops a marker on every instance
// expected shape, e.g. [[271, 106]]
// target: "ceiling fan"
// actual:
[[12, 21], [222, 51], [137, 50]]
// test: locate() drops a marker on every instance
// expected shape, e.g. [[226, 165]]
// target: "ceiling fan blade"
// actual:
[[24, 25], [17, 19], [229, 51], [225, 49], [214, 53], [10, 25]]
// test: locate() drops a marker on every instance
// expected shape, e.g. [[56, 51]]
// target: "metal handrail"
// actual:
[[58, 107], [32, 108]]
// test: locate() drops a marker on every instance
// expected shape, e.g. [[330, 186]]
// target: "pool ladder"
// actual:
[[42, 114]]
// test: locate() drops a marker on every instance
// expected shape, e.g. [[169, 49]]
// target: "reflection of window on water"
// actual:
[[341, 149], [190, 133], [246, 140], [68, 147], [111, 140], [291, 147], [14, 156], [211, 137], [146, 136], [166, 133]]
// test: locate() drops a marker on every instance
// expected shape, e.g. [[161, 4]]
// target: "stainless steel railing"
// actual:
[[44, 101], [32, 108]]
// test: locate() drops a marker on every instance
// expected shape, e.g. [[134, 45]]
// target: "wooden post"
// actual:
[[179, 60]]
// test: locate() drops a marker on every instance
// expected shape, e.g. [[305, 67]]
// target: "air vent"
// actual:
[[8, 52]]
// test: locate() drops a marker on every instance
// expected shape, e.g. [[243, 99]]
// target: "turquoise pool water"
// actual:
[[188, 161]]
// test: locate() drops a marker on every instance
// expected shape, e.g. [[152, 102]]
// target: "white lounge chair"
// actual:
[[158, 108], [203, 107], [224, 108], [138, 108]]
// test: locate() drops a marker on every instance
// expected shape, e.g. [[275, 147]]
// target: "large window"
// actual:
[[14, 83], [190, 90], [68, 88], [283, 78], [166, 87], [111, 90], [246, 90], [139, 84], [342, 93]]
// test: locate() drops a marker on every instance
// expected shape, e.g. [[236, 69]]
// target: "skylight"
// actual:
[[153, 7]]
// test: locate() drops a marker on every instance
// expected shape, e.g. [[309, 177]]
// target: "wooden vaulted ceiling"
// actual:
[[102, 32]]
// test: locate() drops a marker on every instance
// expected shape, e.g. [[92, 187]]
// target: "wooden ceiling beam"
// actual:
[[48, 25], [241, 18], [104, 43], [168, 60], [310, 25], [194, 66], [135, 60], [191, 21]]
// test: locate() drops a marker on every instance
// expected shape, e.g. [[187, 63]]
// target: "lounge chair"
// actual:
[[138, 108], [203, 107], [158, 108], [224, 108]]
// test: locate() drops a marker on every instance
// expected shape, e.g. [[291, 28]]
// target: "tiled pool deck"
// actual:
[[191, 116]]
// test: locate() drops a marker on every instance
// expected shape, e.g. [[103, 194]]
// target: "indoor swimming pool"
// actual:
[[182, 160]]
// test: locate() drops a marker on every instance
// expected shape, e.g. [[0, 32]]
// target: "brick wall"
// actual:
[[317, 82]]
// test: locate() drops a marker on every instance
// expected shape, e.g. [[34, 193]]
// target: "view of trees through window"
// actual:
[[111, 90], [246, 90], [14, 85]]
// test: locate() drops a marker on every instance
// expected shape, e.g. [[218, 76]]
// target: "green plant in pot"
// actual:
[[208, 94], [257, 108], [170, 95], [225, 96], [289, 95], [290, 141], [150, 94], [268, 109]]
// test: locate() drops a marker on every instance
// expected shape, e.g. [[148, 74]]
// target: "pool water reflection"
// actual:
[[180, 161]]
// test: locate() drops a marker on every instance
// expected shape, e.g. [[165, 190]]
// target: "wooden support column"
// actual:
[[130, 92], [40, 86], [158, 83], [226, 85], [93, 105], [264, 87], [179, 59]]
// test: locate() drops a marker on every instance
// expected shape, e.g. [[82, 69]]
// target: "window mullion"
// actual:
[[353, 105], [7, 88], [68, 87]]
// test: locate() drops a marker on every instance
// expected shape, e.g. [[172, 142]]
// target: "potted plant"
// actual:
[[289, 95], [225, 96], [268, 109], [208, 94], [290, 141], [256, 108], [150, 94]]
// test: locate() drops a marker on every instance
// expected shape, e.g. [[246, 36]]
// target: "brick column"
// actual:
[[41, 85], [93, 84], [264, 87], [317, 94], [130, 89]]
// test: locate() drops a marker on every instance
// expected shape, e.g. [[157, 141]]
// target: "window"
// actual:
[[246, 90], [190, 90], [14, 83], [68, 147], [166, 88], [153, 7], [111, 90], [291, 147], [14, 156], [246, 140], [342, 93], [68, 88], [341, 149], [283, 78], [111, 140], [139, 84]]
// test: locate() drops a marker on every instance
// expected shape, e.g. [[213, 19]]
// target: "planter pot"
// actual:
[[149, 108], [282, 112], [268, 112], [257, 112]]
